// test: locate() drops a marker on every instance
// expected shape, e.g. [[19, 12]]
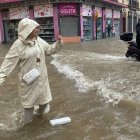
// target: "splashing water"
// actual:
[[14, 123], [82, 83], [112, 91]]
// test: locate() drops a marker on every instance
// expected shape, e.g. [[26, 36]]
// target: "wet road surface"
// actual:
[[92, 83]]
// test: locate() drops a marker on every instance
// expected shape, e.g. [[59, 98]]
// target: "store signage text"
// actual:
[[68, 9]]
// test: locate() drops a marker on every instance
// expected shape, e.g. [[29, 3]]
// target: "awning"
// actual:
[[8, 1], [115, 3]]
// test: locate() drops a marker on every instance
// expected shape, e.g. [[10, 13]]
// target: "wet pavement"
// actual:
[[92, 83]]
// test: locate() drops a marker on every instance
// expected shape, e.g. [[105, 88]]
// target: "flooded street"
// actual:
[[92, 83]]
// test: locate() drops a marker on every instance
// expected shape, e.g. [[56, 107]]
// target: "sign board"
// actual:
[[99, 11], [108, 13], [116, 14], [68, 9], [43, 10], [7, 1], [86, 10], [19, 13]]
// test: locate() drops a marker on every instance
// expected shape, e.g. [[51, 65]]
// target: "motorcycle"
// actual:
[[133, 51]]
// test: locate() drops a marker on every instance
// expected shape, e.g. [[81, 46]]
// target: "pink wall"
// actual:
[[6, 1], [1, 29], [55, 20], [81, 22], [31, 13], [104, 19], [112, 17], [94, 24]]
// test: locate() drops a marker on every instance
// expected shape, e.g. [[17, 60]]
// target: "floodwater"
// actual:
[[92, 83]]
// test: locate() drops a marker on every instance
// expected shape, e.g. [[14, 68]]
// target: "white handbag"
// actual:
[[31, 76]]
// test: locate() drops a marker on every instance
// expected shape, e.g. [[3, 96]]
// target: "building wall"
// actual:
[[124, 1], [138, 12], [131, 14], [91, 21]]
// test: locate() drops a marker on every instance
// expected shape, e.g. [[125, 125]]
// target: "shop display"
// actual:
[[117, 26], [87, 28], [117, 21], [46, 29], [11, 30], [99, 27]]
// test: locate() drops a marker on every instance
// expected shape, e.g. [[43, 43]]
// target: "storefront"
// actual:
[[43, 14], [11, 19], [116, 22], [74, 21], [98, 22], [108, 18], [87, 22], [69, 22]]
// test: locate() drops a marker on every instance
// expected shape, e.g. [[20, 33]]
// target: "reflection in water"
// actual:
[[98, 88]]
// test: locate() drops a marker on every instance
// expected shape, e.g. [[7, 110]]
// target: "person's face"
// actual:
[[35, 32]]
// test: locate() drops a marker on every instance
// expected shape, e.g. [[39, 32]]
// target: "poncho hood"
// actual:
[[25, 27]]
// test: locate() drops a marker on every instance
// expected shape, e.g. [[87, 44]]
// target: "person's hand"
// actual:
[[60, 38]]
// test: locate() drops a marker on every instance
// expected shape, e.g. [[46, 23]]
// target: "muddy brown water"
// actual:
[[92, 83]]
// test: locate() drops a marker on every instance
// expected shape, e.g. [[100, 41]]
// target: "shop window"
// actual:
[[47, 28], [87, 28], [11, 30]]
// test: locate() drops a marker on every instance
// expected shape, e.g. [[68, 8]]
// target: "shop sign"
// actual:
[[108, 13], [6, 1], [86, 10], [99, 11], [68, 9], [116, 14], [19, 13], [43, 10]]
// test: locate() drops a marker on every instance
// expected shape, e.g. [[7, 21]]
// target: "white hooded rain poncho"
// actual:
[[23, 53]]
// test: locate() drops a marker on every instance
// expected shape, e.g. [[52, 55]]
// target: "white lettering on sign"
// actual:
[[67, 11]]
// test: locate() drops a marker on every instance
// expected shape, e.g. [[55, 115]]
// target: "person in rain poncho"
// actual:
[[28, 52]]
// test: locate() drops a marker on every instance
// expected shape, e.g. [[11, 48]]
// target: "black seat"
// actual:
[[126, 36]]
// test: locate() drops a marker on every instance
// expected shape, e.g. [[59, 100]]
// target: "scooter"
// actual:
[[133, 51]]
